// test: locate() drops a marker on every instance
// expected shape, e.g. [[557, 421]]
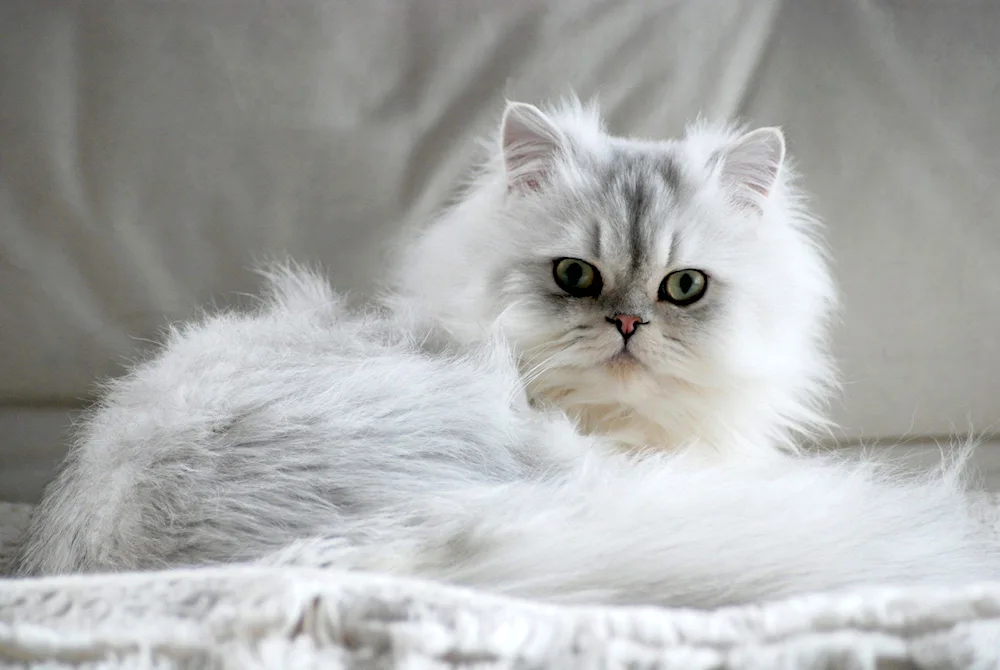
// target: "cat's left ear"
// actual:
[[530, 142], [750, 165]]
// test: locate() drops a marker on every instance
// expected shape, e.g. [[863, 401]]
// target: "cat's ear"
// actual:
[[530, 142], [750, 165]]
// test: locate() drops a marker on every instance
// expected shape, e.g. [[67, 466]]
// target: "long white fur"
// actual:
[[304, 433], [756, 380]]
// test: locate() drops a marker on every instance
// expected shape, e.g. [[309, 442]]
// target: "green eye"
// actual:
[[683, 287], [578, 278]]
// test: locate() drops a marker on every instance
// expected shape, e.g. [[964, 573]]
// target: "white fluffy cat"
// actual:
[[660, 292], [304, 434]]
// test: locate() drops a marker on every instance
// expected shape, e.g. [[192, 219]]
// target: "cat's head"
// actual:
[[660, 291]]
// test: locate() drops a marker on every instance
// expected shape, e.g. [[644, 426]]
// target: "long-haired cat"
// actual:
[[304, 434], [658, 292]]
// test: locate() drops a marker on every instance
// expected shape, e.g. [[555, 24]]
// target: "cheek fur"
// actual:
[[561, 335]]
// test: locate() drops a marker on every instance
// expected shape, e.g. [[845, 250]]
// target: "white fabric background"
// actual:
[[151, 150]]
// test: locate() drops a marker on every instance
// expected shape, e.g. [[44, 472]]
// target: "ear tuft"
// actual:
[[529, 141], [751, 165]]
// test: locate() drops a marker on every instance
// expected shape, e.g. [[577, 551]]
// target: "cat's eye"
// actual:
[[578, 278], [683, 287]]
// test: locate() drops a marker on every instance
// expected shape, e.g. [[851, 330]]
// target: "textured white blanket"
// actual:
[[248, 617]]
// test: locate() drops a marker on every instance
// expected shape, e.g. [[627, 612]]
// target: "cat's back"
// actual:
[[249, 430]]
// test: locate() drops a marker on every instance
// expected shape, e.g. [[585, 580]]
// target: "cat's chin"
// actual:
[[624, 364]]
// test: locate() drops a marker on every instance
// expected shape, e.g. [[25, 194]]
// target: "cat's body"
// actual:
[[305, 434], [663, 295]]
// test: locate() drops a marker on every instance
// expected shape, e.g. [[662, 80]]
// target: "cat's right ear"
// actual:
[[529, 141], [750, 166]]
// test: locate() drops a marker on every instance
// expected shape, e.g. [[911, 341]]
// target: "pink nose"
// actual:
[[626, 323]]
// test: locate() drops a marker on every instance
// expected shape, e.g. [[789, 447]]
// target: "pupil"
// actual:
[[686, 282], [573, 274]]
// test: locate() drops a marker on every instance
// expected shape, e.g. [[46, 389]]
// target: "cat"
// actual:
[[304, 433], [661, 293]]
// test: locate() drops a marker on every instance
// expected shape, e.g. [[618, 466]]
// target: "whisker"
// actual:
[[546, 363], [529, 376]]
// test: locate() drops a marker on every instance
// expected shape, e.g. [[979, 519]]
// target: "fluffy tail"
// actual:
[[659, 533]]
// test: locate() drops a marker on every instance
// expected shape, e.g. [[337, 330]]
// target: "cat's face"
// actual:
[[649, 258], [621, 272]]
